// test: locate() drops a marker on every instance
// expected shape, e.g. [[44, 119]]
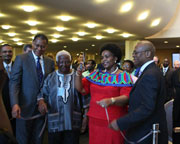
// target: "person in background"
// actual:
[[80, 59], [109, 90], [146, 103], [27, 77], [61, 102], [27, 48], [156, 60], [6, 51], [128, 66], [90, 66], [176, 64]]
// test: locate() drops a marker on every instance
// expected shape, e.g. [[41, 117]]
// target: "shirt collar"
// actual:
[[145, 65], [35, 56], [5, 64]]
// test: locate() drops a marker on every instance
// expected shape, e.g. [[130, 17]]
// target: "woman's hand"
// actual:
[[113, 125], [42, 107], [105, 102]]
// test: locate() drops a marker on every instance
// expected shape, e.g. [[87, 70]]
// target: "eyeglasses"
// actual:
[[136, 52]]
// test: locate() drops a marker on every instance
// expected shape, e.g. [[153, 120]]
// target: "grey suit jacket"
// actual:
[[24, 86], [146, 107]]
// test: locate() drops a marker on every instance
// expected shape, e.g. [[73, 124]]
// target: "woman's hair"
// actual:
[[114, 49], [62, 52]]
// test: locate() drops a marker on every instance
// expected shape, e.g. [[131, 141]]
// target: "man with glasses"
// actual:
[[146, 103], [27, 76]]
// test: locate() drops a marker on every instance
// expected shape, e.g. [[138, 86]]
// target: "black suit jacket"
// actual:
[[24, 85], [146, 107]]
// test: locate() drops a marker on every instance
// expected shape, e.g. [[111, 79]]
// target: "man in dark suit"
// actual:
[[146, 102], [27, 76], [5, 66]]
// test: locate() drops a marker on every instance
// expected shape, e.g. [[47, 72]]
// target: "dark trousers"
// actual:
[[64, 137], [27, 131]]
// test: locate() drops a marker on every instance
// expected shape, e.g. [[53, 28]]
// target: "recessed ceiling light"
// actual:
[[110, 30], [126, 35], [1, 15], [1, 41], [16, 39], [19, 43], [65, 46], [75, 39], [126, 7], [56, 35], [86, 49], [155, 22], [28, 8], [177, 46], [32, 22], [60, 28], [54, 40], [96, 53], [65, 18], [91, 25], [33, 31], [6, 27], [81, 33], [143, 15], [98, 37], [165, 41], [11, 34], [100, 1], [93, 45]]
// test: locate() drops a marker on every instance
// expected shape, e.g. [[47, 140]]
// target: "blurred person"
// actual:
[[128, 66], [176, 64], [109, 90], [156, 60], [146, 103], [27, 77], [61, 102], [27, 48], [80, 59], [90, 66], [6, 51]]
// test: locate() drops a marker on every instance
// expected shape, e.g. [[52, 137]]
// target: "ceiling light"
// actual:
[[100, 1], [65, 18], [126, 35], [6, 27], [16, 39], [93, 45], [65, 46], [75, 39], [110, 30], [19, 43], [28, 8], [56, 35], [86, 49], [165, 41], [1, 41], [11, 34], [81, 33], [32, 23], [126, 7], [60, 28], [177, 46], [143, 15], [91, 25], [155, 22], [1, 15], [96, 53], [33, 31], [54, 40], [98, 37]]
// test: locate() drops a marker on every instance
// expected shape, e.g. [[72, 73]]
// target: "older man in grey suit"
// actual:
[[28, 73]]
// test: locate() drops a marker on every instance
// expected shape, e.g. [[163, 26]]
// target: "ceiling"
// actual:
[[106, 14]]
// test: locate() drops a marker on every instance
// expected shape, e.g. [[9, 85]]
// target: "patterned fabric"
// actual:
[[105, 79]]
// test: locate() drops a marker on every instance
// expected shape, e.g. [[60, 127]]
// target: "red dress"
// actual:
[[99, 133]]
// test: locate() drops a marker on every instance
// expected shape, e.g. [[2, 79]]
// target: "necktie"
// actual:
[[39, 70], [8, 70]]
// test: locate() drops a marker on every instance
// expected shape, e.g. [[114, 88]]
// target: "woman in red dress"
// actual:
[[109, 91]]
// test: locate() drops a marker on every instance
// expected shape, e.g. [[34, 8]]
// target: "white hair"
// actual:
[[63, 52]]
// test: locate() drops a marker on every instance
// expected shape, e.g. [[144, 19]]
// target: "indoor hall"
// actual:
[[84, 26]]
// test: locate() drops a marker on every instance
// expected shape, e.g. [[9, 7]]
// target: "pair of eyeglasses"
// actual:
[[136, 52]]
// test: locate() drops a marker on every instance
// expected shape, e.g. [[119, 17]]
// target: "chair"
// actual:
[[169, 109]]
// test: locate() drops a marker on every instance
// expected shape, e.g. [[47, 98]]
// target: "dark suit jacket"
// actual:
[[146, 107], [5, 90], [24, 85], [4, 120]]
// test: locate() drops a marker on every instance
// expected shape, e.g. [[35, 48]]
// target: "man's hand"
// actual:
[[113, 125], [16, 111], [42, 107]]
